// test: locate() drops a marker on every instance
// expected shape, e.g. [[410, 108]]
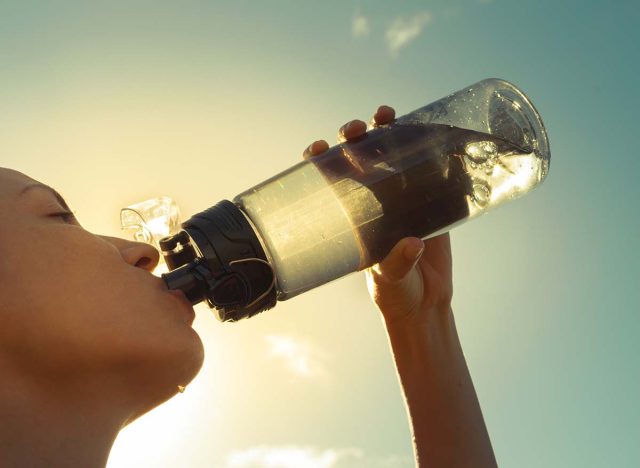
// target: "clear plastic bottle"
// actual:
[[343, 211], [427, 172]]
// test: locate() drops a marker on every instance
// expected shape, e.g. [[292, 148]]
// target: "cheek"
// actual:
[[62, 270], [47, 290], [60, 287], [75, 303]]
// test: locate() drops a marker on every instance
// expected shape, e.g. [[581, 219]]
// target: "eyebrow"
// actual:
[[48, 189]]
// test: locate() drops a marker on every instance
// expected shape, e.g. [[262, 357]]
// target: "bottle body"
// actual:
[[344, 210], [420, 176]]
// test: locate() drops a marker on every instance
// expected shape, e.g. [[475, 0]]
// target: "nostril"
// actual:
[[144, 262]]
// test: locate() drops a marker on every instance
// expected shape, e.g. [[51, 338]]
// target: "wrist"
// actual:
[[424, 336], [418, 320]]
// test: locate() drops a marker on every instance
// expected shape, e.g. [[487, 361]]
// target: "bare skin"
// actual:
[[89, 338], [413, 289]]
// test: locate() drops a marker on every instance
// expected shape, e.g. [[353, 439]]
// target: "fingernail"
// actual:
[[414, 250]]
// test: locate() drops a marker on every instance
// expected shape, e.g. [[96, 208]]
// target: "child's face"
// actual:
[[73, 303]]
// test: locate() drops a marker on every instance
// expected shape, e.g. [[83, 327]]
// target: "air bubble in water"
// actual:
[[481, 193], [480, 151]]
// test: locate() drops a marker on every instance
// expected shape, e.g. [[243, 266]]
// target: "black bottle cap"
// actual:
[[231, 272]]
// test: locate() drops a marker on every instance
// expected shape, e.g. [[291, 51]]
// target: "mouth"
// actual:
[[179, 295]]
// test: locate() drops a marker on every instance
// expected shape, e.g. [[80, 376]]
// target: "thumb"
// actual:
[[402, 258]]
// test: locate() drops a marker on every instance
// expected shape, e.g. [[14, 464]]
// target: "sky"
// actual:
[[118, 101]]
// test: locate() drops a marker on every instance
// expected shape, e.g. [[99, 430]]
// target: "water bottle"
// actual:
[[343, 211]]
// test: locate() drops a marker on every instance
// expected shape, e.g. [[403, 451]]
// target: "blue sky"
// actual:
[[107, 101]]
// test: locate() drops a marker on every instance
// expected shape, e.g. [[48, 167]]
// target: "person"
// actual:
[[90, 340]]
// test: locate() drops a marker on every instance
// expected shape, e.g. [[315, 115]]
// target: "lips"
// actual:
[[178, 294]]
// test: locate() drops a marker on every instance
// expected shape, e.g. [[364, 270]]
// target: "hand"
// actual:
[[414, 280]]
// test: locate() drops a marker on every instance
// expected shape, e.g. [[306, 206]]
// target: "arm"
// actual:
[[444, 413], [413, 287]]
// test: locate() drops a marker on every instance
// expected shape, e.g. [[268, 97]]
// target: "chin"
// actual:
[[157, 375], [183, 362], [158, 379]]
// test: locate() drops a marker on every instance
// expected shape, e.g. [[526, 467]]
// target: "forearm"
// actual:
[[445, 416]]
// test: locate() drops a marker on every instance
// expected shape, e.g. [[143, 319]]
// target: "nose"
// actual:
[[136, 254]]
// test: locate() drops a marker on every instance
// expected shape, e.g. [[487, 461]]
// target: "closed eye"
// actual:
[[66, 216]]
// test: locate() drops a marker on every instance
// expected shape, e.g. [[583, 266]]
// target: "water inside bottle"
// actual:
[[344, 210]]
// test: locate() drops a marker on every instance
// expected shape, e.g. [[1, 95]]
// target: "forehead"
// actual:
[[12, 182]]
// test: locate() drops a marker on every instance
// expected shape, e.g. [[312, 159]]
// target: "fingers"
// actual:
[[356, 128], [438, 251], [315, 148], [383, 116], [402, 258], [351, 130]]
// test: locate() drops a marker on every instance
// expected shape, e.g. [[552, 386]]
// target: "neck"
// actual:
[[57, 423]]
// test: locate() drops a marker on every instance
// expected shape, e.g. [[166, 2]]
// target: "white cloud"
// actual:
[[299, 357], [403, 31], [360, 26], [290, 457]]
